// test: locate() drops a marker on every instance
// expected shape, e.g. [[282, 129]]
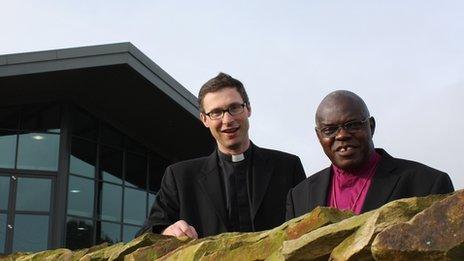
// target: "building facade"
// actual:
[[85, 136]]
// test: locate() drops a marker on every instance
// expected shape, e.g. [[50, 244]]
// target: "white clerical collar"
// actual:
[[238, 157], [235, 158]]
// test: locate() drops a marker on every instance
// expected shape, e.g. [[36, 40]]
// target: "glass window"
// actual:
[[156, 171], [4, 192], [2, 232], [135, 206], [80, 196], [40, 117], [84, 125], [7, 149], [38, 151], [133, 146], [111, 136], [151, 201], [30, 233], [33, 194], [111, 165], [129, 232], [136, 171], [110, 232], [83, 157], [79, 233], [111, 202], [9, 118]]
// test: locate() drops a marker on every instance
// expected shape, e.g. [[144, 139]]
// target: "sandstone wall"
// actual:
[[427, 228]]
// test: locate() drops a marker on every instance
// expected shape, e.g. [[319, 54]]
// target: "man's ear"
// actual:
[[372, 125], [248, 109], [204, 119]]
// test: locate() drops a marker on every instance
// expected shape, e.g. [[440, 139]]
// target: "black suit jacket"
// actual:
[[394, 179], [192, 191]]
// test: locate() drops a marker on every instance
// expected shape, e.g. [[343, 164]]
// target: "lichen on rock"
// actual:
[[437, 233], [425, 228]]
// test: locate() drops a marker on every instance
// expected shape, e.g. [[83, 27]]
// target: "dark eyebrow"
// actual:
[[327, 124], [226, 107]]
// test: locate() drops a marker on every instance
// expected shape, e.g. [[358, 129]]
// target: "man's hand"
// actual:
[[179, 229]]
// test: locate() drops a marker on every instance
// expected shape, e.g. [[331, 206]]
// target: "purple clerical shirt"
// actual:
[[348, 189]]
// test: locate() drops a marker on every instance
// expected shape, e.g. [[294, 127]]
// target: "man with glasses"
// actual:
[[360, 178], [239, 187]]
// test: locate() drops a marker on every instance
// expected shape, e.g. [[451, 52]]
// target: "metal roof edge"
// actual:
[[58, 55], [157, 70]]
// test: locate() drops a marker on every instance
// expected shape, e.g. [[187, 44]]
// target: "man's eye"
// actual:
[[215, 113], [235, 108], [329, 130], [356, 125]]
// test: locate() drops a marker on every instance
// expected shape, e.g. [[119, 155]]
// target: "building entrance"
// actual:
[[25, 212]]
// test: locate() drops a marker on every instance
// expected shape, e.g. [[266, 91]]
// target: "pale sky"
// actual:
[[404, 58]]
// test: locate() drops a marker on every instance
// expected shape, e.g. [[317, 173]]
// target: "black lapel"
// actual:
[[383, 183], [262, 172], [210, 182], [318, 189]]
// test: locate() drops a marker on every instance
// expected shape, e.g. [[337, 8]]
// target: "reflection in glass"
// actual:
[[136, 171], [129, 232], [9, 118], [33, 194], [4, 191], [84, 125], [133, 146], [2, 232], [111, 199], [135, 206], [156, 167], [83, 157], [111, 165], [79, 233], [110, 232], [38, 151], [110, 136], [7, 149], [151, 201], [41, 117], [80, 196], [30, 233]]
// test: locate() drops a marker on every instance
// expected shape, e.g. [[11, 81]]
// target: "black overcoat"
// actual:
[[192, 191], [394, 179]]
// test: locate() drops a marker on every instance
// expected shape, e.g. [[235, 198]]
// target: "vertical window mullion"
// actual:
[[123, 192], [98, 186], [147, 186], [10, 214]]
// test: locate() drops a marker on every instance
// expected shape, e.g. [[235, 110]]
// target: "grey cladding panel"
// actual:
[[93, 50], [2, 60], [61, 65], [30, 57]]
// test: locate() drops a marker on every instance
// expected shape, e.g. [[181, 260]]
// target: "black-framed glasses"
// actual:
[[351, 127], [234, 109]]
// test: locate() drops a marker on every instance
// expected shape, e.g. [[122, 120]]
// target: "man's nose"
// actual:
[[227, 117], [342, 134]]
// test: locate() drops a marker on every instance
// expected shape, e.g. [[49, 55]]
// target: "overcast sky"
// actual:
[[404, 58]]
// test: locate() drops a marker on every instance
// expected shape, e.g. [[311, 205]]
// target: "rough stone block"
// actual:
[[358, 245], [436, 233], [258, 245]]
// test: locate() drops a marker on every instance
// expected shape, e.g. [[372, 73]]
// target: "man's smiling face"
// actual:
[[230, 132], [346, 149]]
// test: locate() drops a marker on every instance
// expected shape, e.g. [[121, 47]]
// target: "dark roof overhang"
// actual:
[[115, 82]]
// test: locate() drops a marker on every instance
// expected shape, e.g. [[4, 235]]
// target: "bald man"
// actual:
[[360, 178]]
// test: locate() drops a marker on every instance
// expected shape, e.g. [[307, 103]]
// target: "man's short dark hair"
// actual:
[[222, 81]]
